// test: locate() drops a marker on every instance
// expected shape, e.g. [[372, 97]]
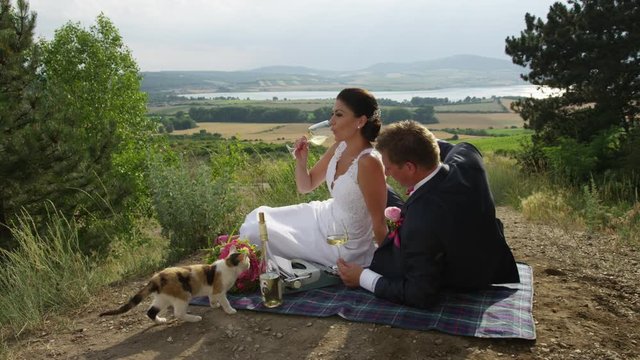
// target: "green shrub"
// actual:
[[192, 206], [596, 215]]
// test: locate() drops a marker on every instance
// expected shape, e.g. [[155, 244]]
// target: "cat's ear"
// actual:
[[232, 249], [240, 257]]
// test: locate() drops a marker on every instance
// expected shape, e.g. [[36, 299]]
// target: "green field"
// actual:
[[504, 144]]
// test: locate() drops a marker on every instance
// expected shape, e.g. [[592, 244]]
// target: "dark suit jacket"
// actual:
[[450, 237]]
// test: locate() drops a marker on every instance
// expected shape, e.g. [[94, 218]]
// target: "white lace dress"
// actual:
[[300, 231]]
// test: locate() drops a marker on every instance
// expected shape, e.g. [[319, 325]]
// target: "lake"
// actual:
[[453, 94]]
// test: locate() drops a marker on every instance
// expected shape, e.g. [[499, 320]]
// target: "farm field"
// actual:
[[271, 133], [477, 120], [483, 107], [310, 105]]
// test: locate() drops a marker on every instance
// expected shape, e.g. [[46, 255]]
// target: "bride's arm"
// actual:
[[374, 189], [307, 180]]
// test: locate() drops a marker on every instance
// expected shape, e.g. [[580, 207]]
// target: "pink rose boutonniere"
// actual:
[[394, 220]]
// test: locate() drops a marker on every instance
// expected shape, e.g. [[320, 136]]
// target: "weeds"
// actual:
[[46, 272]]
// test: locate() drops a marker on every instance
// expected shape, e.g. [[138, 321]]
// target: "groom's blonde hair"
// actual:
[[409, 141]]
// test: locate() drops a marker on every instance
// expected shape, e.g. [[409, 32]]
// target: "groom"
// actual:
[[449, 238]]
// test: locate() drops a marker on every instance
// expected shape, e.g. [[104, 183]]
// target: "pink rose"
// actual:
[[392, 213]]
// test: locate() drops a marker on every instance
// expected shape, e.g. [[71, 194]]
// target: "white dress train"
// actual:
[[300, 231]]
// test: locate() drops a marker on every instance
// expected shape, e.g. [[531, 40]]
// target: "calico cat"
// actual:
[[176, 286]]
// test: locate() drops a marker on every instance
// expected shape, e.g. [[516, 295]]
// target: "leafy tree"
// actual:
[[322, 113], [393, 114], [425, 115], [93, 94], [73, 123], [590, 50]]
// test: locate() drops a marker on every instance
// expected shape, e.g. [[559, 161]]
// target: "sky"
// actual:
[[229, 35]]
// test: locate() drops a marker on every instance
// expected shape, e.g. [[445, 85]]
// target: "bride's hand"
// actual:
[[301, 147]]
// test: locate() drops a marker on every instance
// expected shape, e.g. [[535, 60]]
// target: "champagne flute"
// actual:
[[313, 136]]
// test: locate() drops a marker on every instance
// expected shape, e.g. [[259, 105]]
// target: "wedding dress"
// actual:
[[300, 231]]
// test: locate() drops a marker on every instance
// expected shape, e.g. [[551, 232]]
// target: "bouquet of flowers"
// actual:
[[394, 219], [248, 281]]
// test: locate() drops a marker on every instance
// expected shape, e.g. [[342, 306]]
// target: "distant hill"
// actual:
[[453, 71]]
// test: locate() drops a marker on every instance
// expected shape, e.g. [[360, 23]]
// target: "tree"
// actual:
[[92, 87], [393, 114], [74, 125], [18, 99], [591, 51], [425, 114]]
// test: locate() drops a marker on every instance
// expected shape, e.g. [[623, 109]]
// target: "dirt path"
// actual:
[[587, 306]]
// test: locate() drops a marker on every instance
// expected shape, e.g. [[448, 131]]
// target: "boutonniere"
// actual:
[[394, 220]]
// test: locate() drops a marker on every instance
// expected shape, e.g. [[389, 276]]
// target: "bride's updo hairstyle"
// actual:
[[362, 102]]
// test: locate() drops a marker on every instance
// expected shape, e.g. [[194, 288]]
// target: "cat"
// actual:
[[176, 286]]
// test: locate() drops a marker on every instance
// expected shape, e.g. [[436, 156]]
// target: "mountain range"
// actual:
[[453, 71]]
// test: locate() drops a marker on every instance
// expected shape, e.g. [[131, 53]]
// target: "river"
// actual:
[[453, 94]]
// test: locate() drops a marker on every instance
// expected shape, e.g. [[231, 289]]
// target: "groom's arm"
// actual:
[[422, 262]]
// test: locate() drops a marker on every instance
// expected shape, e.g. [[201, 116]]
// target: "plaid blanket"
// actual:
[[503, 311]]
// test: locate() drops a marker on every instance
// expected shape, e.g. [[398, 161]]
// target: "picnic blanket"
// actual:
[[503, 311]]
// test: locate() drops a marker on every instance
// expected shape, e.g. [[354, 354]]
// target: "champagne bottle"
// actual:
[[270, 282], [264, 238]]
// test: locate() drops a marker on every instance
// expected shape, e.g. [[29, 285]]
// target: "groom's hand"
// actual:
[[349, 273]]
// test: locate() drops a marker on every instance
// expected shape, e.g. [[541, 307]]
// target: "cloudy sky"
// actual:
[[323, 34]]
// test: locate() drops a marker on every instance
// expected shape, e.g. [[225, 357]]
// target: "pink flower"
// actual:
[[392, 213], [394, 220], [248, 280]]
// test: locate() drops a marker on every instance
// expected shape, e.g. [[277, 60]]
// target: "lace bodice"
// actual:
[[349, 205]]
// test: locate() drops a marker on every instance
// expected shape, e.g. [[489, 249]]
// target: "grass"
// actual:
[[500, 145], [47, 272]]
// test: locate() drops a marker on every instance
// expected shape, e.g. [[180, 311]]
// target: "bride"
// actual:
[[354, 175]]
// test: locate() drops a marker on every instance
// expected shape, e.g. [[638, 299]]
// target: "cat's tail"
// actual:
[[135, 300]]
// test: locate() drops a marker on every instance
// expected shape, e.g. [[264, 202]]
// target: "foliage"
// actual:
[[508, 184], [589, 50], [548, 207], [505, 145], [253, 114], [93, 88], [425, 115], [82, 139], [192, 206], [248, 281], [322, 113], [227, 159], [167, 124], [45, 273], [19, 95]]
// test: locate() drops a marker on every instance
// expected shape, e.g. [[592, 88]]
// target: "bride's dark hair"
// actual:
[[362, 102]]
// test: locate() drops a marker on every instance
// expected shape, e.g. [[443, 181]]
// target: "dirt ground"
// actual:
[[586, 306]]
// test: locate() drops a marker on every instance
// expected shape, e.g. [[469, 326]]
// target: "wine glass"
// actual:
[[338, 238], [315, 135]]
